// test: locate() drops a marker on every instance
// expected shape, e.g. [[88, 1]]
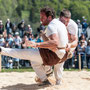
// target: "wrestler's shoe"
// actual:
[[58, 82], [50, 78], [46, 82], [37, 79]]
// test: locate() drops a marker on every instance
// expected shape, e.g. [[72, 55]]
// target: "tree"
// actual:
[[78, 10]]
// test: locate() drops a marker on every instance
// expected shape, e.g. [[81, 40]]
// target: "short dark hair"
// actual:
[[48, 11], [66, 13]]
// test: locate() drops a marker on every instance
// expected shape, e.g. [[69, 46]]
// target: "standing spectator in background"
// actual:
[[88, 31], [7, 61], [83, 38], [14, 28], [81, 51], [1, 27], [21, 26], [10, 40], [84, 25], [25, 63], [29, 29], [23, 41], [17, 40], [8, 26], [2, 41], [79, 28], [17, 43], [88, 54]]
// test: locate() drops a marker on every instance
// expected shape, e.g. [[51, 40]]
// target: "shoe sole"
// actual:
[[51, 79]]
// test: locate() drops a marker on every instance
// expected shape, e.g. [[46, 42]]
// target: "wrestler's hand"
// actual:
[[53, 49], [68, 47], [30, 43]]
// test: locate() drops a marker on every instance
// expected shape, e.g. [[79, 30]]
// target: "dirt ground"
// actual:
[[72, 80]]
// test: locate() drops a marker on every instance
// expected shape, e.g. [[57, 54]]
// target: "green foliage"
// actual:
[[29, 10], [78, 10]]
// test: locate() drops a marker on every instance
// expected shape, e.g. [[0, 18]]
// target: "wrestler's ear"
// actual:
[[49, 18]]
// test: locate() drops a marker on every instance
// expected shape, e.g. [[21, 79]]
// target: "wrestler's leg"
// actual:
[[28, 54], [48, 69], [40, 71], [43, 73], [58, 72]]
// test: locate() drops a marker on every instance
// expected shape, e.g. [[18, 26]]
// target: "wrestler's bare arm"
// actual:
[[74, 41], [44, 36], [50, 44]]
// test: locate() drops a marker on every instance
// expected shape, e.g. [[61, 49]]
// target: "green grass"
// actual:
[[31, 70], [76, 70], [18, 70]]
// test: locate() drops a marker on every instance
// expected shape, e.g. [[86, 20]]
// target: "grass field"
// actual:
[[18, 70], [31, 70]]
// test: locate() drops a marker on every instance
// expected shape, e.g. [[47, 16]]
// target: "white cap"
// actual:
[[0, 21], [83, 17], [78, 20], [8, 19], [16, 33], [28, 25]]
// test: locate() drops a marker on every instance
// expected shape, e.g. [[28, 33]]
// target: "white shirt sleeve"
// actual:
[[51, 29], [72, 28]]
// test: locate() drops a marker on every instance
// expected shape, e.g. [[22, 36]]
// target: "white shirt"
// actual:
[[18, 41], [56, 26], [2, 41], [72, 28]]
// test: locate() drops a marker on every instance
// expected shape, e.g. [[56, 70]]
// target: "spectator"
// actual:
[[83, 38], [14, 28], [84, 26], [10, 40], [8, 26], [34, 38], [2, 41], [79, 28], [29, 29], [17, 40], [88, 54], [39, 38], [17, 44], [81, 51], [88, 31], [25, 63], [5, 34], [6, 59], [21, 26], [30, 37], [1, 27]]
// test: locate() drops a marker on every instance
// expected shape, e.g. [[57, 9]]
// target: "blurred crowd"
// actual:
[[14, 36]]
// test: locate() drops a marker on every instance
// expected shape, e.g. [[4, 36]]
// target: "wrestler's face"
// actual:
[[44, 19], [64, 20]]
